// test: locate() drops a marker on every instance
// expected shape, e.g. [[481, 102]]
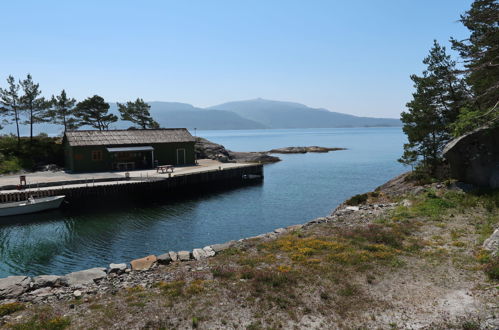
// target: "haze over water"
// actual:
[[296, 190]]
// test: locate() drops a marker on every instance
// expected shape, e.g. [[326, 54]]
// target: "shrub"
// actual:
[[357, 199], [492, 268], [10, 308]]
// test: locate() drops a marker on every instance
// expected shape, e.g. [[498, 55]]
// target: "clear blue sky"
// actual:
[[347, 56]]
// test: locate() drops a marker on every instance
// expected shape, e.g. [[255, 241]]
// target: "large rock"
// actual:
[[143, 263], [85, 277], [165, 258], [209, 251], [207, 149], [199, 254], [491, 244], [303, 150], [173, 255], [13, 286], [474, 157], [117, 268], [184, 255], [220, 247], [48, 280]]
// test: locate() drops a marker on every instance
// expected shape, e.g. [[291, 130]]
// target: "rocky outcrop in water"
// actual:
[[302, 150], [206, 149], [474, 157]]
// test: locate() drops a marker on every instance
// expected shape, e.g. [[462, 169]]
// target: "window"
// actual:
[[96, 155]]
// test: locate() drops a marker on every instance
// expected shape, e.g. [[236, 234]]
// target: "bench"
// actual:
[[164, 168]]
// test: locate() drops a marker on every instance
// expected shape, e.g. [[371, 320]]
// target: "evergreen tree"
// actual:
[[138, 113], [481, 52], [9, 104], [62, 111], [93, 111], [436, 103], [34, 105]]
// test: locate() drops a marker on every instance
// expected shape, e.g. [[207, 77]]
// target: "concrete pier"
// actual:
[[139, 184]]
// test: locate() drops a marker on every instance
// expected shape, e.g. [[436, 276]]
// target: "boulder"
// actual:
[[143, 263], [165, 258], [279, 230], [474, 157], [209, 251], [13, 286], [199, 254], [184, 255], [220, 247], [491, 244], [173, 255], [85, 277], [48, 281], [117, 268]]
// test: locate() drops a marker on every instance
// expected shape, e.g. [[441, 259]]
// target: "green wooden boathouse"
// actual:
[[125, 150]]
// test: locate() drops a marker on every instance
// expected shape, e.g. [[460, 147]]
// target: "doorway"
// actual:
[[180, 156]]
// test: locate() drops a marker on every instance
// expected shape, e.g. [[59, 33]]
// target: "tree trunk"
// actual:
[[17, 127]]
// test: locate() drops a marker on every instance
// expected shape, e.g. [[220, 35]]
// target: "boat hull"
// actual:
[[24, 207]]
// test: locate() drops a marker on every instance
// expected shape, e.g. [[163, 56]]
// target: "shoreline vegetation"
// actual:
[[408, 255]]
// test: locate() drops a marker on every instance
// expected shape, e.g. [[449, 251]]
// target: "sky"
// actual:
[[347, 56]]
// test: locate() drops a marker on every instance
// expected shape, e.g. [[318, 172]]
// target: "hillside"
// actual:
[[278, 114], [251, 114]]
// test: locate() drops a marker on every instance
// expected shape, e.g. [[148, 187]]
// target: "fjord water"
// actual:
[[296, 190]]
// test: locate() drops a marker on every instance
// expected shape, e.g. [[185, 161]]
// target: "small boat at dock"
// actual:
[[31, 205]]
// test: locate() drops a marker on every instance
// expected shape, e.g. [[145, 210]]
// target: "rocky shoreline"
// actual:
[[143, 271]]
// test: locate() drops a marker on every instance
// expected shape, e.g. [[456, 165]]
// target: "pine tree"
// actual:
[[93, 111], [9, 104], [62, 111], [34, 105], [138, 113], [480, 52], [436, 103]]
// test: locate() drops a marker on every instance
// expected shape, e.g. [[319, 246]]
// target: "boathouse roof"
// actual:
[[126, 137]]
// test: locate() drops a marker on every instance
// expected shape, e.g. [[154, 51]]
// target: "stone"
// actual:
[[279, 230], [294, 227], [42, 292], [491, 244], [13, 286], [352, 208], [143, 263], [473, 157], [117, 268], [77, 293], [173, 255], [220, 247], [48, 280], [406, 203], [184, 255], [198, 254], [85, 277], [164, 259], [209, 251]]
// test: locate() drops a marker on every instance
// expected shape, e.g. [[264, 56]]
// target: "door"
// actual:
[[180, 156]]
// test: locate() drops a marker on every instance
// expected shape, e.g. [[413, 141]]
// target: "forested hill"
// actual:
[[253, 114], [278, 114]]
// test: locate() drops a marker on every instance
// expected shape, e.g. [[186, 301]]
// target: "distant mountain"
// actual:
[[174, 114], [251, 114], [277, 114]]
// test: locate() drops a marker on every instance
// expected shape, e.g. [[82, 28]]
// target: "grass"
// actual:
[[42, 322], [7, 309]]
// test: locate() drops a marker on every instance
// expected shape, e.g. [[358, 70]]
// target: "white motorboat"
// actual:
[[31, 205]]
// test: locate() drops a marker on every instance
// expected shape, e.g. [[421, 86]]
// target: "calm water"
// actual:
[[300, 188]]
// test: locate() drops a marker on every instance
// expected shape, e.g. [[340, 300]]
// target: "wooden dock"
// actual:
[[137, 186]]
